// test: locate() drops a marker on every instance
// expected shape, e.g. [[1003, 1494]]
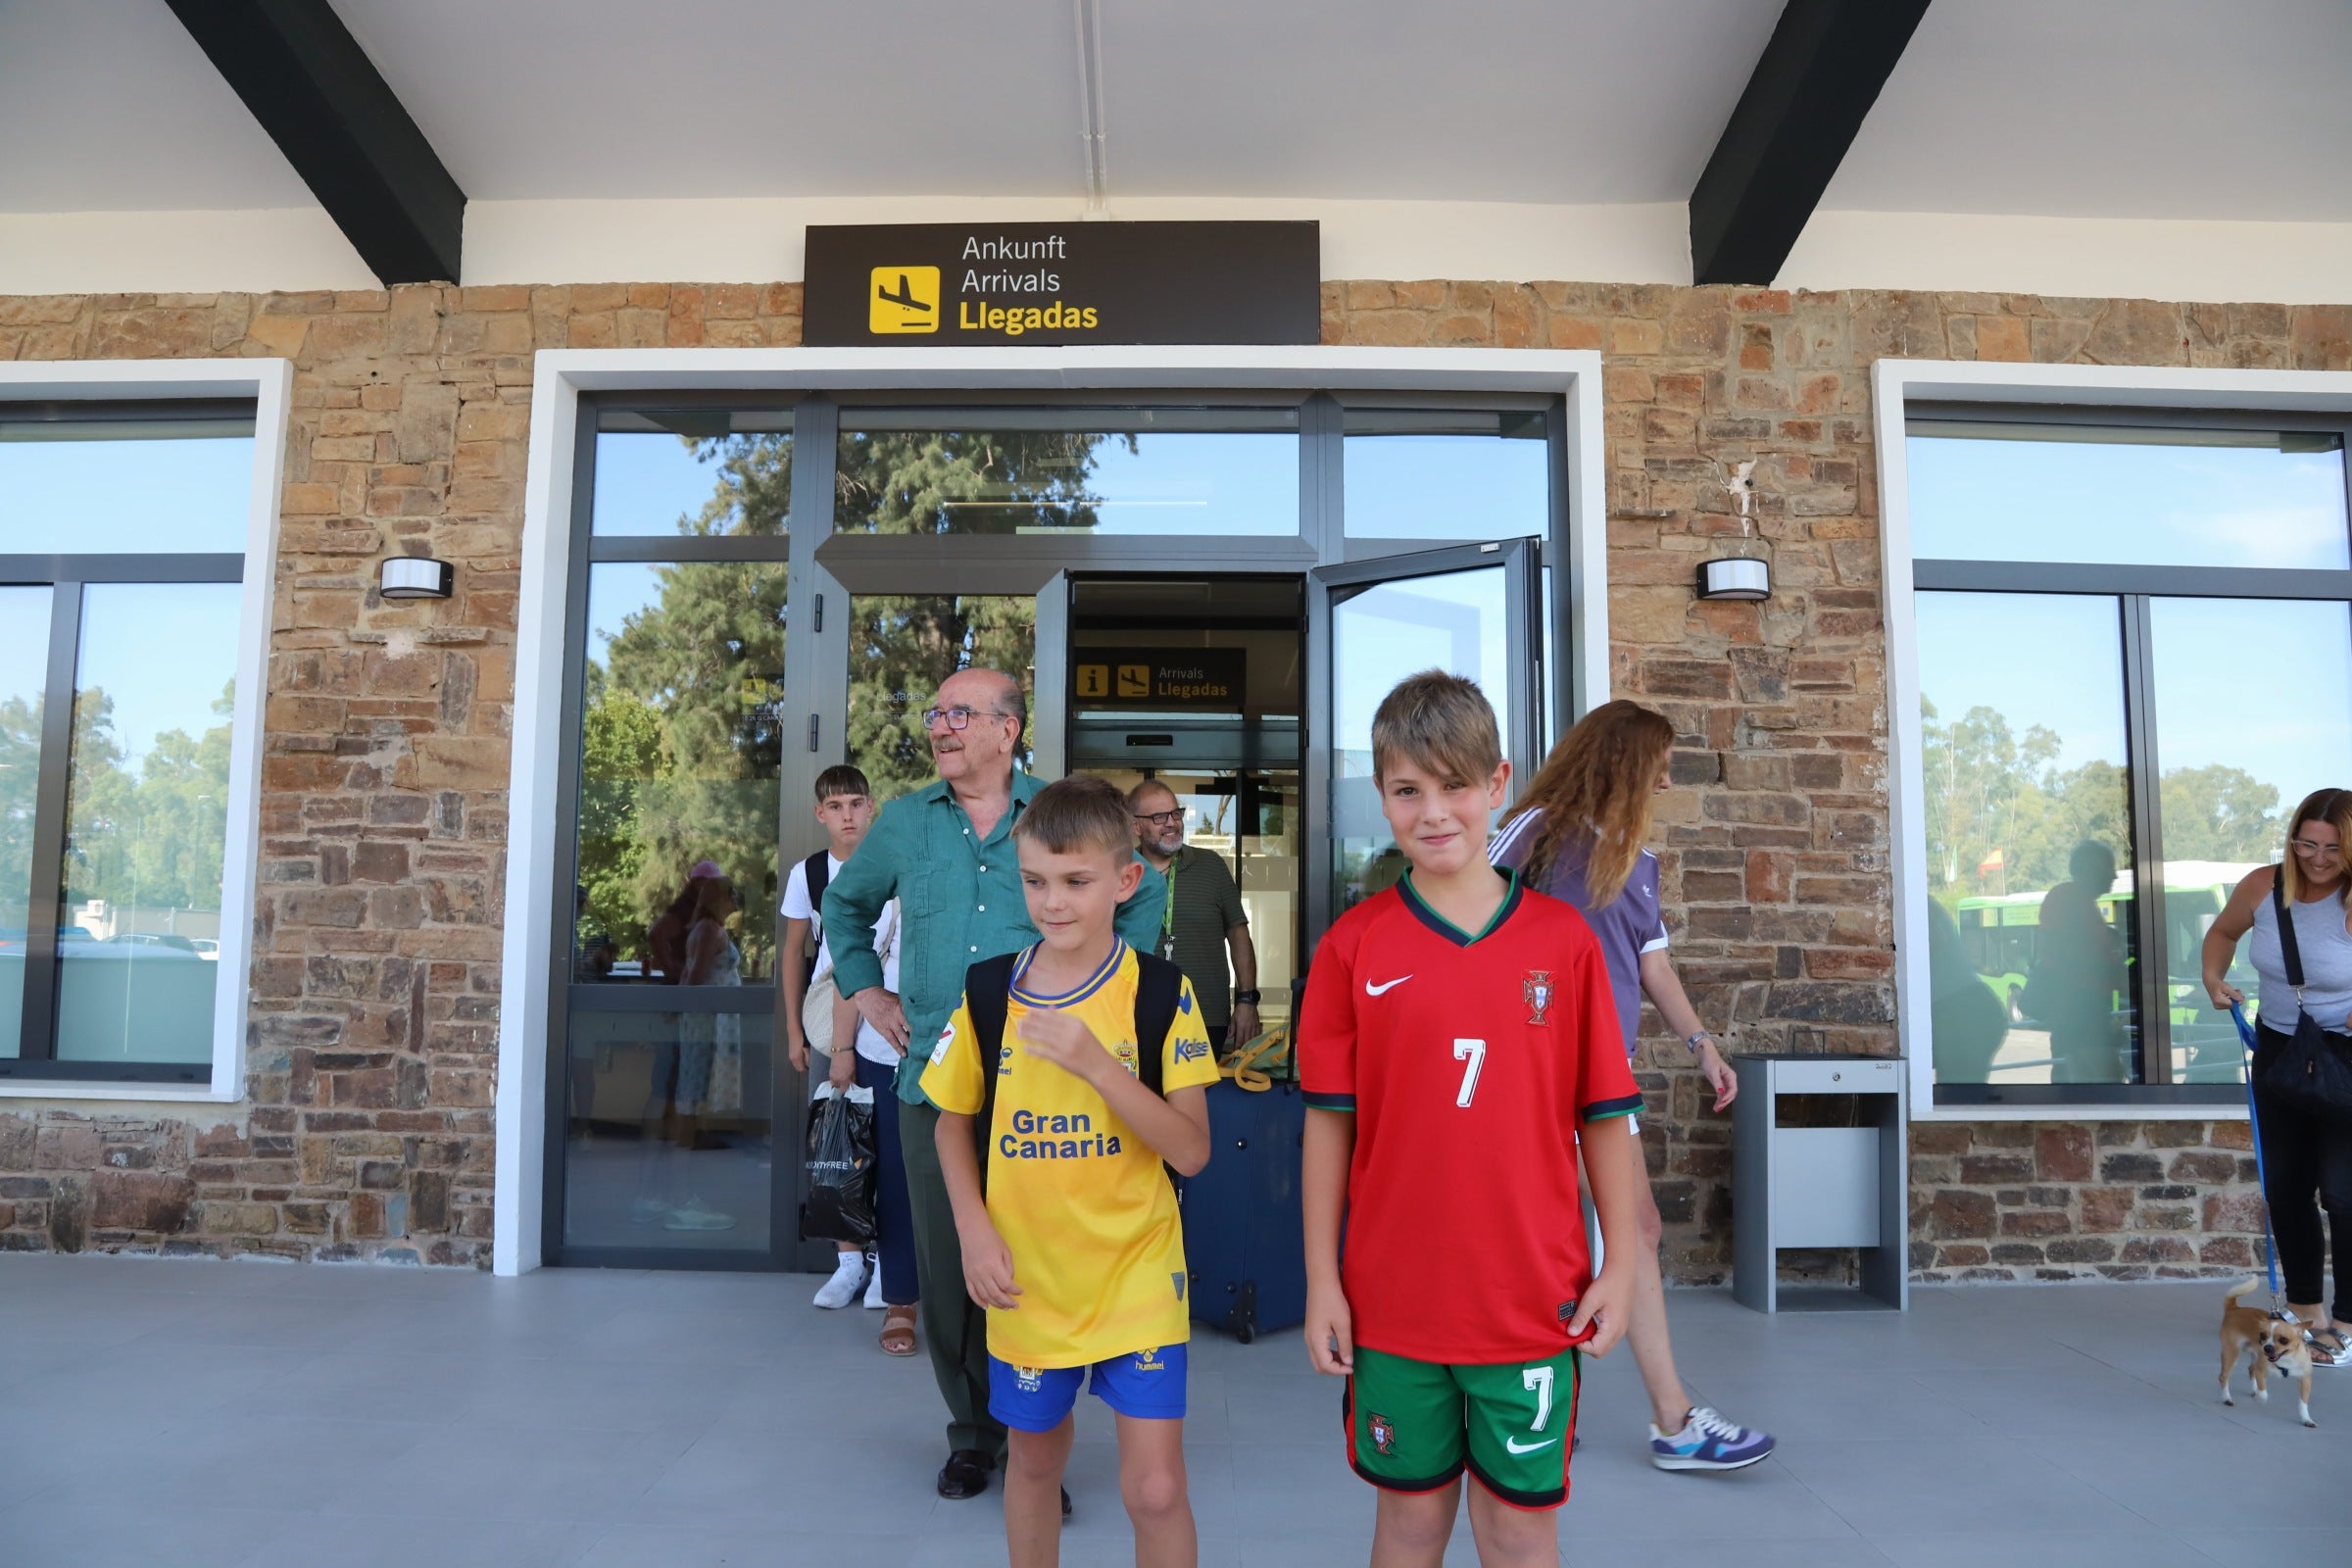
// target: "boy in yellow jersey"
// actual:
[[1075, 1246]]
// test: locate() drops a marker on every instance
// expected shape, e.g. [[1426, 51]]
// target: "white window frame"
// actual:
[[561, 376], [1896, 384], [269, 384]]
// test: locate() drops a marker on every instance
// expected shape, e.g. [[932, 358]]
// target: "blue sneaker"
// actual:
[[1707, 1442]]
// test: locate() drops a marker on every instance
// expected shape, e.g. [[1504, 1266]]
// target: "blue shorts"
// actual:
[[1148, 1384]]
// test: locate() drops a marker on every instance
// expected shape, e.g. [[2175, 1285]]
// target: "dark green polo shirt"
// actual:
[[1206, 905]]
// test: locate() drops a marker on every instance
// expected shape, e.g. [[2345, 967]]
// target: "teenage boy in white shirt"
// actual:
[[845, 809]]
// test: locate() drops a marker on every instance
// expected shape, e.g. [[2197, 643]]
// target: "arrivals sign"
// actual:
[[939, 286], [1210, 679]]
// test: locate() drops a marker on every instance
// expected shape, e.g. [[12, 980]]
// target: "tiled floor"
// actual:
[[204, 1415]]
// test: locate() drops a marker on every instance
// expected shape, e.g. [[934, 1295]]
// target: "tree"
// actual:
[[681, 733], [2218, 813]]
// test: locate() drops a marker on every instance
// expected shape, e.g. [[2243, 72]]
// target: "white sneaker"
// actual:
[[873, 1283], [842, 1289]]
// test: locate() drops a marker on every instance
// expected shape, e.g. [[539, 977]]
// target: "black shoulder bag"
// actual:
[[2312, 1071]]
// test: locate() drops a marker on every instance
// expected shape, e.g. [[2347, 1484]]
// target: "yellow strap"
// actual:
[[1240, 1063]]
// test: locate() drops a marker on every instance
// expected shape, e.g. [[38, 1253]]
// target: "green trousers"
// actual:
[[954, 1327]]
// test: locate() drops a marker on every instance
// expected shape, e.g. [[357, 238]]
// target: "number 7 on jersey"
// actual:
[[1472, 1051]]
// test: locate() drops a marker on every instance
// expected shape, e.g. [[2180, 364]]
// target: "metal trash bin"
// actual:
[[1820, 1185]]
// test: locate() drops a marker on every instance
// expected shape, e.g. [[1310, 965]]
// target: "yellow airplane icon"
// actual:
[[905, 299]]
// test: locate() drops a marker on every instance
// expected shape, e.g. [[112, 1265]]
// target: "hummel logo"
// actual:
[[1516, 1446], [1371, 989]]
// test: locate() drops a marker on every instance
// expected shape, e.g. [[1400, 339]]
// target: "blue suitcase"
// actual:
[[1245, 1240]]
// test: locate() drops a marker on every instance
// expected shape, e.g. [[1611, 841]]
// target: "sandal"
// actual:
[[897, 1330], [2327, 1348]]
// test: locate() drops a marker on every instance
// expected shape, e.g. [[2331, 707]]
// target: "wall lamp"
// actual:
[[1735, 577], [416, 577]]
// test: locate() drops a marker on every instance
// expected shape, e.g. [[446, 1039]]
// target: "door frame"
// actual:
[[560, 376], [1327, 588]]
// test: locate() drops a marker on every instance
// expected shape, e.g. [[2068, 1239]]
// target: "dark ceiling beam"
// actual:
[[331, 112], [1803, 105]]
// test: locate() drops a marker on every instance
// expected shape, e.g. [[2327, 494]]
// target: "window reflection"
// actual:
[[696, 475], [2188, 498], [1132, 471], [680, 742], [146, 826], [24, 666], [902, 646], [2028, 839], [1449, 474], [2237, 754], [106, 486], [1452, 621], [668, 1140]]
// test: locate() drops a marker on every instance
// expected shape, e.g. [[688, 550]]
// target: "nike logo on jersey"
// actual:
[[1371, 989], [1516, 1446]]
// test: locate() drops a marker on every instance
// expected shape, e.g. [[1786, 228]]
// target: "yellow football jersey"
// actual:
[[1098, 1249]]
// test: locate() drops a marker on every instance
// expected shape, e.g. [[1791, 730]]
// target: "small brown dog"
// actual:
[[2270, 1342]]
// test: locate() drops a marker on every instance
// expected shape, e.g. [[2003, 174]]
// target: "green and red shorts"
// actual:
[[1415, 1426]]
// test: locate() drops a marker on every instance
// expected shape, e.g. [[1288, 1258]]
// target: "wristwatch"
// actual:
[[1244, 999], [1694, 1042]]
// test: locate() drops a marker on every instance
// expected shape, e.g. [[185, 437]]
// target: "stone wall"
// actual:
[[376, 986]]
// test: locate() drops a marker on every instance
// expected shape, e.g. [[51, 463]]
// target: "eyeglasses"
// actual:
[[2315, 851], [1161, 818], [958, 717]]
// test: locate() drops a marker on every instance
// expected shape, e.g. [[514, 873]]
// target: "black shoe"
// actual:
[[965, 1474], [1065, 1503]]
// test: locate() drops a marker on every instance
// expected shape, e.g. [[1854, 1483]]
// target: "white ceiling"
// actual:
[[109, 105], [2091, 108], [2209, 109]]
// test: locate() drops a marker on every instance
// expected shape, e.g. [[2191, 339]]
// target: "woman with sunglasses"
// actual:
[[2302, 1154]]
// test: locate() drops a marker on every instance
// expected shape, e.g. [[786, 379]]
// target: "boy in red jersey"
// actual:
[[1458, 1036]]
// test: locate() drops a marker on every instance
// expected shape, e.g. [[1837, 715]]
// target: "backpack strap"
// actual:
[[816, 872], [1158, 989], [987, 1001]]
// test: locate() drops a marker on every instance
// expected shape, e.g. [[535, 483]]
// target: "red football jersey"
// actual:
[[1468, 1062]]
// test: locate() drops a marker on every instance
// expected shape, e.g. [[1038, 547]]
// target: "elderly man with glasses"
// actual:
[[946, 854]]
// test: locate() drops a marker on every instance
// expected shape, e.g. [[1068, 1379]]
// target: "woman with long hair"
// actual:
[[1578, 833], [2302, 1154]]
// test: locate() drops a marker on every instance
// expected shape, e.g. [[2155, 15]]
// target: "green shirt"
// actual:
[[1206, 907], [959, 900]]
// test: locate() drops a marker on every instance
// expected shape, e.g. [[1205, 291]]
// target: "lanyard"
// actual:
[[1167, 913]]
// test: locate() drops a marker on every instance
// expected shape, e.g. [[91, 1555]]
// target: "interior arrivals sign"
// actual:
[[1210, 679], [931, 285]]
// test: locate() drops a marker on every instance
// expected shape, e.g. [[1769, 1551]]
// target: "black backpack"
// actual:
[[988, 999], [817, 870]]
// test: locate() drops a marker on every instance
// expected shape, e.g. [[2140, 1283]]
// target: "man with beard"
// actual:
[[1204, 920]]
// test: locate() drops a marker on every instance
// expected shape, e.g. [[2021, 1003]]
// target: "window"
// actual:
[[123, 536], [1196, 472], [2134, 657], [1448, 474]]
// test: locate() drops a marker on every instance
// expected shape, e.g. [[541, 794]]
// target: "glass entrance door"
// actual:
[[1472, 611]]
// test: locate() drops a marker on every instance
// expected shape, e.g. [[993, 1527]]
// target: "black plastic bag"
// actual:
[[840, 1171]]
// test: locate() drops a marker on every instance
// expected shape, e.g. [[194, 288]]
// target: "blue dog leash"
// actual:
[[2269, 1250]]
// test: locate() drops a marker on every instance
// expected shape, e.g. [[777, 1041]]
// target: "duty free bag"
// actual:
[[840, 1206]]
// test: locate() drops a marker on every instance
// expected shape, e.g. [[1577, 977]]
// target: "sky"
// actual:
[[2150, 504], [183, 496], [162, 652], [1201, 484]]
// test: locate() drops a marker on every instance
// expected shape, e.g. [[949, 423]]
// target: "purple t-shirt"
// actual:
[[1630, 926]]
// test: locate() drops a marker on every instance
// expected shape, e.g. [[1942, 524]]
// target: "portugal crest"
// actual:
[[1384, 1433], [1537, 988]]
